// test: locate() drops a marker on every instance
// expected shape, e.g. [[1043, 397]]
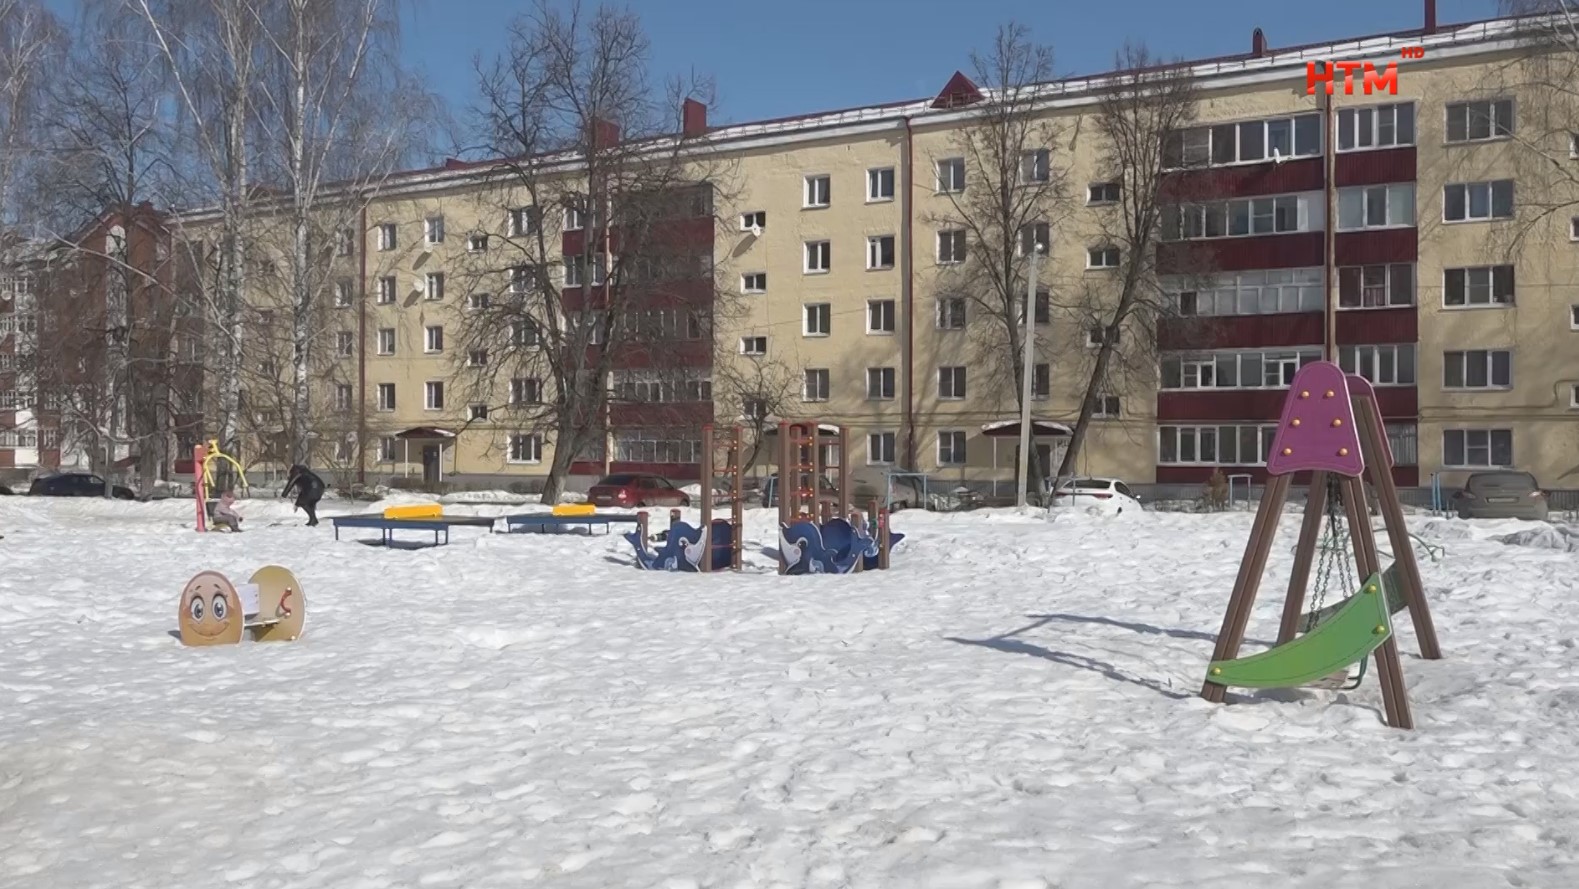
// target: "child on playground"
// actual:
[[226, 514]]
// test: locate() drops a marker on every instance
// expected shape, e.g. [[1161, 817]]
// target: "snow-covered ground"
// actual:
[[1013, 705]]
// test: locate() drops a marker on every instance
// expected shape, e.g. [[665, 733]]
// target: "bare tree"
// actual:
[[31, 40], [992, 222], [337, 114], [213, 50], [757, 390], [598, 237], [1139, 120]]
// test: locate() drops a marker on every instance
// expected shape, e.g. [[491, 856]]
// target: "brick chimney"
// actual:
[[605, 133], [1430, 16], [1257, 44], [693, 118]]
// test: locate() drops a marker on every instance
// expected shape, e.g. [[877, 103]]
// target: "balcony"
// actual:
[[1355, 327]]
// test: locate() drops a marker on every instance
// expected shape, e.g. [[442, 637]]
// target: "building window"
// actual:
[[1376, 206], [477, 412], [477, 302], [1041, 381], [387, 239], [522, 221], [951, 246], [1251, 141], [433, 230], [1033, 235], [755, 219], [525, 334], [1036, 166], [951, 448], [1102, 258], [815, 385], [879, 316], [1376, 286], [880, 184], [344, 242], [1478, 369], [1097, 334], [753, 408], [1479, 121], [386, 341], [819, 191], [1106, 407], [526, 390], [880, 383], [344, 397], [1236, 370], [526, 447], [951, 175], [880, 448], [819, 257], [575, 271], [342, 294], [951, 313], [753, 345], [388, 447], [1380, 126], [880, 252], [1103, 193], [1477, 448], [1277, 214], [477, 244], [433, 395], [345, 344], [477, 358], [1478, 286], [1248, 293], [1043, 306], [643, 446], [818, 319], [1476, 201], [1229, 445], [575, 218], [1390, 365], [434, 339], [951, 382], [754, 282], [1573, 317], [386, 396], [386, 291]]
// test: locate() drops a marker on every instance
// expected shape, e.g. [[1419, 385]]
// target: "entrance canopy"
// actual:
[[771, 426], [1011, 429], [425, 433]]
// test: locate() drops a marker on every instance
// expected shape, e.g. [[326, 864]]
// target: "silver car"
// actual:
[[1504, 494]]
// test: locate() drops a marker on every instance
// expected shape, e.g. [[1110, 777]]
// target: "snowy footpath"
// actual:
[[1013, 705]]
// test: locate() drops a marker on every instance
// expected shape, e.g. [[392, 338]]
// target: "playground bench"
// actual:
[[387, 526], [542, 523]]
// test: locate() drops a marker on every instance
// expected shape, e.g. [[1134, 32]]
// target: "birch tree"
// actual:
[[31, 43]]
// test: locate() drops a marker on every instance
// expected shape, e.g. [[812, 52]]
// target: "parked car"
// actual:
[[75, 484], [636, 489], [1504, 494], [865, 487], [1109, 496]]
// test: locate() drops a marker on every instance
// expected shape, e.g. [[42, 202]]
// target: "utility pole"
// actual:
[[1329, 155], [1028, 337]]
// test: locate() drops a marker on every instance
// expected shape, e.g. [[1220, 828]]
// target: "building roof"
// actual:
[[955, 100]]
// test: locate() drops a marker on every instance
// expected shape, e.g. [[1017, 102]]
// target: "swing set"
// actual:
[[204, 456], [1322, 432]]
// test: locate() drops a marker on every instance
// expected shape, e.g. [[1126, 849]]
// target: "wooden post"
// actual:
[[708, 457], [815, 464], [199, 489], [1389, 669], [884, 540], [1373, 434], [641, 526], [785, 488], [844, 471], [1262, 534], [1304, 554]]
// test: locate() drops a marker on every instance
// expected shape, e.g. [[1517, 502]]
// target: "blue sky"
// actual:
[[773, 59]]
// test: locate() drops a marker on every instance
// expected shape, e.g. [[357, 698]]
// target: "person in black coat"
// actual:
[[309, 490]]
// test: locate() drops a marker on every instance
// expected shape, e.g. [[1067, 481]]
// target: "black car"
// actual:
[[75, 484]]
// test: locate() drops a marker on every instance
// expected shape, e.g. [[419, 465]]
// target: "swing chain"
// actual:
[[1333, 552]]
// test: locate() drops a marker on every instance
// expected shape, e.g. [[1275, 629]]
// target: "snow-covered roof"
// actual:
[[1012, 427]]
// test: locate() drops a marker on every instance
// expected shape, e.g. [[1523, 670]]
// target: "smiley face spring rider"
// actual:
[[215, 611]]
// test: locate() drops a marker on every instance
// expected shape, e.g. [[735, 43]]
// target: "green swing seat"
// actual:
[[1360, 625]]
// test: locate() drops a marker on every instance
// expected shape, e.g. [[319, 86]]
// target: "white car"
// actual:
[[1107, 496]]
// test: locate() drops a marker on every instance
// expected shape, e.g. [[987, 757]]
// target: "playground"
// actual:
[[1014, 702]]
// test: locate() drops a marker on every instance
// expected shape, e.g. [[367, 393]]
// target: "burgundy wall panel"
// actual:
[[673, 471], [1379, 246], [1403, 476], [1375, 167], [662, 415], [1377, 326], [1241, 331], [1243, 181], [1291, 251], [1176, 406]]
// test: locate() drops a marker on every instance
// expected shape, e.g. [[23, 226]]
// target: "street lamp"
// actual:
[[1029, 344]]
